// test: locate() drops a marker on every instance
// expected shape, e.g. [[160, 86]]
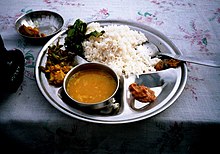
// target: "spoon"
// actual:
[[185, 58]]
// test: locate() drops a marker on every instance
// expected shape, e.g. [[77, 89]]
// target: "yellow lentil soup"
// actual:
[[91, 86]]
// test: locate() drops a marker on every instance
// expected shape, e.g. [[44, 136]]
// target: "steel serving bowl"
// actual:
[[86, 66], [48, 23]]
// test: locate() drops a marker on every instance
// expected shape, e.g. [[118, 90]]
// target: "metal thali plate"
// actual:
[[168, 84]]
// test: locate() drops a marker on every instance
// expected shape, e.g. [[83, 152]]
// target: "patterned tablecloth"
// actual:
[[30, 124]]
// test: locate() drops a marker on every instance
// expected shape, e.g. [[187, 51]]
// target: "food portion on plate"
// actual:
[[58, 64], [142, 93], [116, 46], [30, 32], [121, 48], [167, 63], [91, 86], [60, 57]]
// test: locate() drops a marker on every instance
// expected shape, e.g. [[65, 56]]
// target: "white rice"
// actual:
[[120, 48]]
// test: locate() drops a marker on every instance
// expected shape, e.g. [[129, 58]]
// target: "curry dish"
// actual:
[[142, 93], [59, 62], [31, 32], [167, 63], [91, 86]]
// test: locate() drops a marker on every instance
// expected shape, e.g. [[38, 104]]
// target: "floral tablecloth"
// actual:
[[29, 124]]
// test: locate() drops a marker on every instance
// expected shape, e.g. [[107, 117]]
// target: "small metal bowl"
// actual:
[[48, 23], [85, 66]]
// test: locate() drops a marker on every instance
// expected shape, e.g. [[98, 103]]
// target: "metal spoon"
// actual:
[[186, 58]]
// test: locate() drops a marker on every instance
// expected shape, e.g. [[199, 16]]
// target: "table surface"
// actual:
[[29, 123]]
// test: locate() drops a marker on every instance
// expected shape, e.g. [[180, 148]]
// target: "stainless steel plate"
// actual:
[[167, 85], [48, 22]]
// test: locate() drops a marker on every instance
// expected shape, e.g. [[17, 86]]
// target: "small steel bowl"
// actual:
[[48, 22], [86, 66]]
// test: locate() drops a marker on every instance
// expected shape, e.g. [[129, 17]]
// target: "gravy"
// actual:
[[91, 86]]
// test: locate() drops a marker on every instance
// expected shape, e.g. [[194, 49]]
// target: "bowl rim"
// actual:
[[38, 11], [97, 104]]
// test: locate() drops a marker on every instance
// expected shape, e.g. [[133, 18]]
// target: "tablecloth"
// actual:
[[30, 124]]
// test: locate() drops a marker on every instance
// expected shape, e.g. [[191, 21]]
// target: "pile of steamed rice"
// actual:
[[120, 48]]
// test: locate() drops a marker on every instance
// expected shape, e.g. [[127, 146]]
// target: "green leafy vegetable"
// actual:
[[76, 35], [95, 34]]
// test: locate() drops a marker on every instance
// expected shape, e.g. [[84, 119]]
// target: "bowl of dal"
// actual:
[[91, 85]]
